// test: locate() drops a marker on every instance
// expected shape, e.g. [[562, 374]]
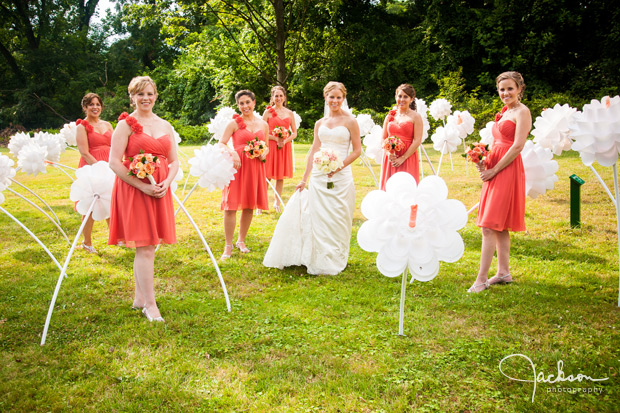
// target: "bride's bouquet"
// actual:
[[143, 165], [476, 152], [255, 148], [327, 161], [393, 144], [280, 133]]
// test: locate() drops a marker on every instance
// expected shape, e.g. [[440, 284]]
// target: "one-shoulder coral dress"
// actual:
[[137, 219], [502, 201], [279, 163], [248, 190], [411, 165], [98, 144]]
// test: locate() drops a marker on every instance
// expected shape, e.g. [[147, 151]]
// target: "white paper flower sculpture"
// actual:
[[54, 144], [177, 177], [68, 133], [373, 141], [551, 128], [297, 119], [177, 137], [217, 124], [440, 108], [486, 134], [422, 109], [365, 123], [446, 139], [412, 226], [540, 169], [213, 167], [17, 142], [6, 171], [31, 159], [93, 180], [463, 122], [596, 131]]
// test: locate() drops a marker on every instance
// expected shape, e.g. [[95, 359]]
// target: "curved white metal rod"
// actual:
[[366, 162], [40, 199], [603, 184], [185, 199], [63, 271], [204, 242], [43, 212], [401, 317], [276, 192], [472, 209], [617, 192], [428, 159], [33, 236], [60, 168], [445, 143]]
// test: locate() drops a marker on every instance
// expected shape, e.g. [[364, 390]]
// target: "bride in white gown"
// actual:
[[315, 228]]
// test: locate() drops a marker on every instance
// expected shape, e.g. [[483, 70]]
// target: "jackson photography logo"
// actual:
[[559, 378]]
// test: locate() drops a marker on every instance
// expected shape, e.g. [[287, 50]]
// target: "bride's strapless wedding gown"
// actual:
[[315, 228]]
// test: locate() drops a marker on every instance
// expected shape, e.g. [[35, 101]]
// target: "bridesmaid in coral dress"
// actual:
[[502, 201], [248, 190], [93, 136], [405, 123], [142, 214], [279, 164]]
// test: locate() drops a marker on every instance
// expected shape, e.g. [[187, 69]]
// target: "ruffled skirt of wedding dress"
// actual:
[[315, 228]]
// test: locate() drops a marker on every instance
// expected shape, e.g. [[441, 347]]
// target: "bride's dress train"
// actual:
[[315, 228]]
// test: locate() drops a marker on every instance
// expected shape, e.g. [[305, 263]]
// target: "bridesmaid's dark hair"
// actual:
[[89, 97], [244, 92], [273, 91], [409, 91], [515, 77]]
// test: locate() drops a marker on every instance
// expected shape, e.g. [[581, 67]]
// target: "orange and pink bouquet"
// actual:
[[143, 165], [393, 144], [255, 148], [280, 133], [476, 152]]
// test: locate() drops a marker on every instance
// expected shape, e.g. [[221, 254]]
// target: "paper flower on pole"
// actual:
[[177, 137], [446, 139], [365, 123], [54, 144], [31, 158], [596, 131], [17, 142], [297, 119], [440, 108], [213, 167], [540, 169], [373, 142], [422, 109], [177, 177], [551, 128], [463, 122], [412, 226], [93, 180], [68, 133], [6, 173], [486, 134], [218, 124]]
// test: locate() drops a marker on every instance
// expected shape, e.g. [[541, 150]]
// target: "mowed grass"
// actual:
[[295, 342]]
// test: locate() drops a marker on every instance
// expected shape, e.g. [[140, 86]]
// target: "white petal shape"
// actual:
[[422, 109], [463, 122], [365, 123], [31, 159], [424, 272], [540, 169], [17, 142], [6, 171], [551, 128], [217, 125], [372, 204], [297, 119], [373, 142], [68, 133], [388, 267], [214, 167], [486, 134], [54, 144], [366, 238], [177, 137], [177, 177], [92, 180], [1, 197], [399, 183], [440, 108], [596, 131], [446, 139]]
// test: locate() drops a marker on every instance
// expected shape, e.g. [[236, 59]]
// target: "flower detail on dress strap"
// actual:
[[240, 123], [391, 116], [132, 122], [499, 114], [272, 111], [89, 128], [123, 116]]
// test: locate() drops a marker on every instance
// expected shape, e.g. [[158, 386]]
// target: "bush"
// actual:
[[191, 135], [305, 135]]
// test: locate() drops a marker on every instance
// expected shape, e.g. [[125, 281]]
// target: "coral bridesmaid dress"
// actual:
[[411, 165], [502, 201], [98, 144], [248, 189], [279, 163], [137, 219]]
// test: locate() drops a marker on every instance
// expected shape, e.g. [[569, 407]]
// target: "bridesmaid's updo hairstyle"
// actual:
[[514, 76], [273, 91], [138, 84], [409, 91], [88, 98], [244, 92], [334, 85]]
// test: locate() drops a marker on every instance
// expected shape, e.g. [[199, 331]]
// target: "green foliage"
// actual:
[[305, 135], [191, 135]]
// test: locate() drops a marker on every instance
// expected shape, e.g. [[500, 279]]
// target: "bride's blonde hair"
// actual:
[[334, 85]]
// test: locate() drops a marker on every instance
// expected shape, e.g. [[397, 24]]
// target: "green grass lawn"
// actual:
[[296, 342]]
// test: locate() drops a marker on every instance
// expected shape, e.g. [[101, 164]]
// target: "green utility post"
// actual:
[[575, 200]]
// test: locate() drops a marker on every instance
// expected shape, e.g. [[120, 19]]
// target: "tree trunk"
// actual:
[[281, 73]]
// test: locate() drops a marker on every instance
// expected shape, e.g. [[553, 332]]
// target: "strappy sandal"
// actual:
[[242, 247], [89, 248], [501, 279], [224, 255], [151, 319], [476, 288]]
